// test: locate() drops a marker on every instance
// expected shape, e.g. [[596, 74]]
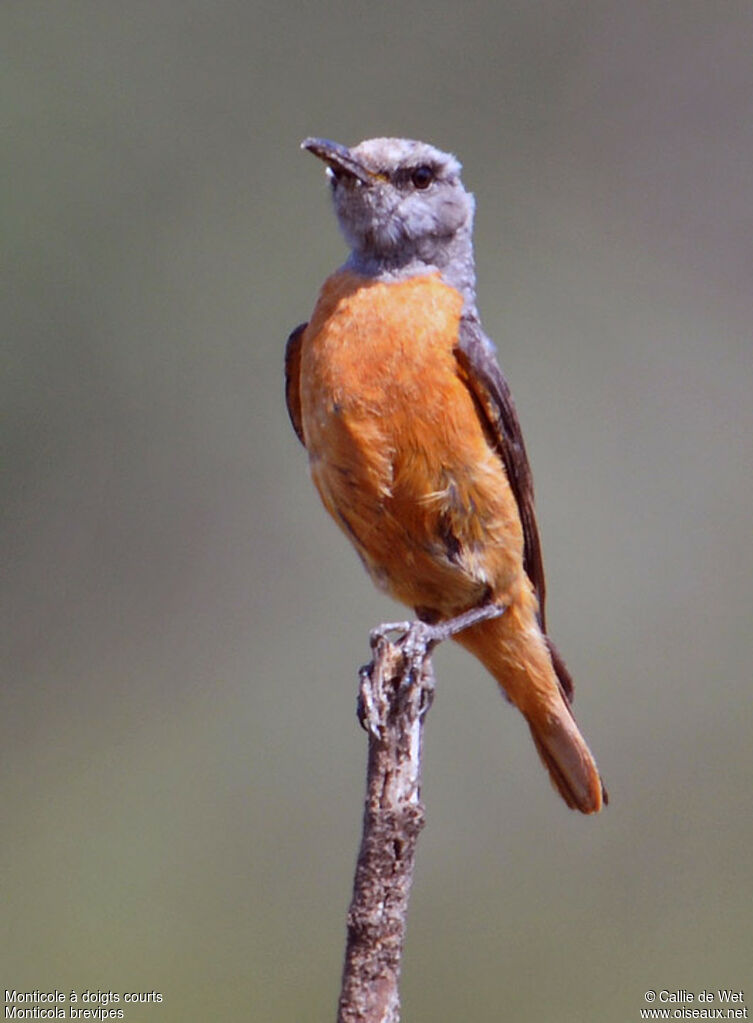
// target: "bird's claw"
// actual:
[[415, 643], [379, 632], [366, 710]]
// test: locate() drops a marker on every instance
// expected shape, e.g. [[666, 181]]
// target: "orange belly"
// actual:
[[397, 449]]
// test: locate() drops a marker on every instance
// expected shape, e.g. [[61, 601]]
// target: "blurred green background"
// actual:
[[182, 772]]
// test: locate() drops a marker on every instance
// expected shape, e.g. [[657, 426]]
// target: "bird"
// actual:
[[413, 438]]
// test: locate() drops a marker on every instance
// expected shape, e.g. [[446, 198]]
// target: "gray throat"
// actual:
[[452, 257]]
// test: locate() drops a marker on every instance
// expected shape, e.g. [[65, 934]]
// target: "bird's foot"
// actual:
[[412, 650]]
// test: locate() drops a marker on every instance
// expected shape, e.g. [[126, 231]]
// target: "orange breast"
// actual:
[[397, 449]]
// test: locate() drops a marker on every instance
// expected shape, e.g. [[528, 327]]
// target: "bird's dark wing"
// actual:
[[293, 380], [476, 356], [478, 362]]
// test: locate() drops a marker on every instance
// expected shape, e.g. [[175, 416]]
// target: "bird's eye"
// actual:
[[422, 176]]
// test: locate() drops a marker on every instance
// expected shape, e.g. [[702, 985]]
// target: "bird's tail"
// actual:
[[533, 676]]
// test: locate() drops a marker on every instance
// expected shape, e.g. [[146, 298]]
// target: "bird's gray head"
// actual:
[[402, 207]]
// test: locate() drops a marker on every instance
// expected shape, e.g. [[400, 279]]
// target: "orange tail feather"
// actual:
[[534, 677], [570, 763]]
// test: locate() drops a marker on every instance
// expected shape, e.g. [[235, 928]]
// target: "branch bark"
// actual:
[[396, 691]]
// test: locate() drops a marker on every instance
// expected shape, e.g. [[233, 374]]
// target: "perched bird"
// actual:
[[413, 439]]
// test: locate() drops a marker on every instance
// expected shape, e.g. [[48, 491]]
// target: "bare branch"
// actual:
[[396, 691]]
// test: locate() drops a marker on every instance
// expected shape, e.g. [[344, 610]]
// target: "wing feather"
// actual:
[[293, 380], [477, 358]]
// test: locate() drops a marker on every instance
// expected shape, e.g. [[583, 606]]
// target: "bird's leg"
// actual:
[[423, 633], [413, 648], [419, 637]]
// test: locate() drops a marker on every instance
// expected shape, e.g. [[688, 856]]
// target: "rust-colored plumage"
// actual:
[[417, 454]]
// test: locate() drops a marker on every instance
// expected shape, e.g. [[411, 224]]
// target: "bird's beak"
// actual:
[[339, 158]]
